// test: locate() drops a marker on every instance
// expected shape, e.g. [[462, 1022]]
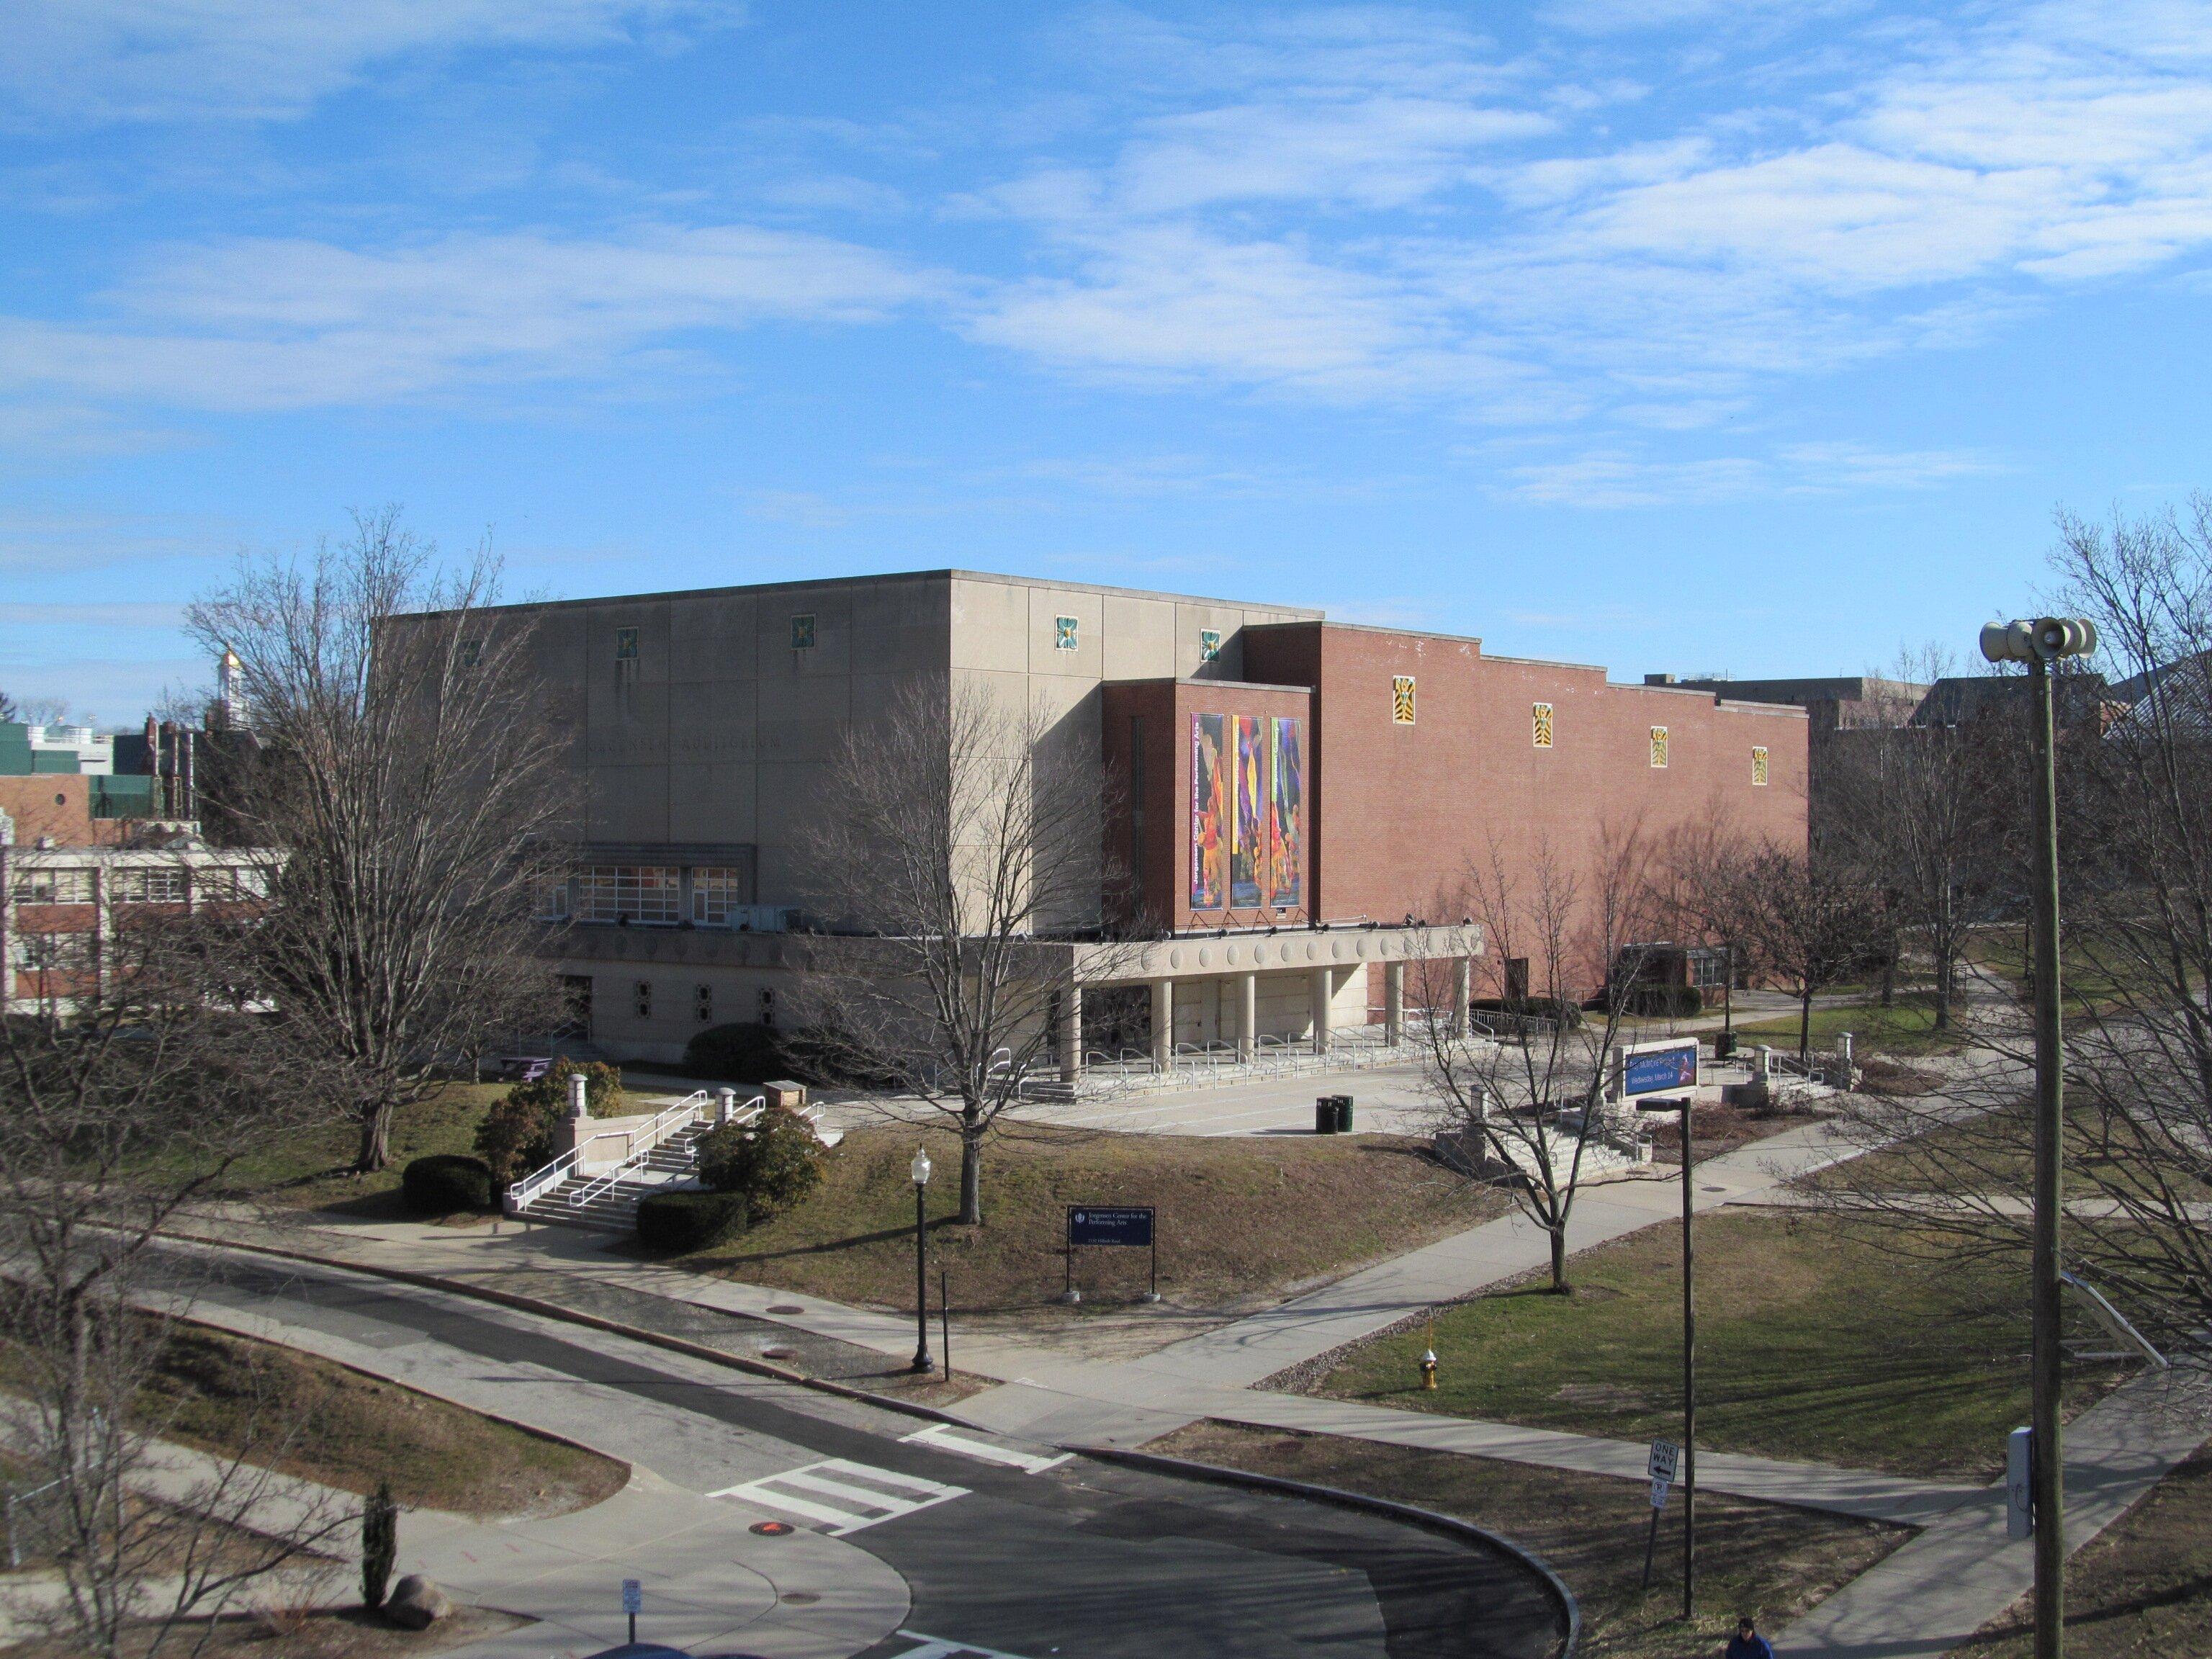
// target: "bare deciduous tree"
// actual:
[[409, 782], [1526, 1106], [1811, 922], [959, 853], [1910, 808], [123, 1101]]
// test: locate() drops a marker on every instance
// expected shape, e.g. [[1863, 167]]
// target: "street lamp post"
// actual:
[[1687, 1105], [919, 1171], [2041, 644]]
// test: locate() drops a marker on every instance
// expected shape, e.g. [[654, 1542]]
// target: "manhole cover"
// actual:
[[771, 1529], [785, 1308], [776, 1353], [801, 1599], [1712, 1189]]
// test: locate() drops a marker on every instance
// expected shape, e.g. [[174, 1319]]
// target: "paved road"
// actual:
[[1075, 1560]]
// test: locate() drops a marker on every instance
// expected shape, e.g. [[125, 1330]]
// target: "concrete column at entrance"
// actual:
[[1248, 1014], [1070, 1033], [1462, 994], [1393, 1002], [1163, 1022], [1323, 991]]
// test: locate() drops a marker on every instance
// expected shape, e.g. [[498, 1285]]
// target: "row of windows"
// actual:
[[1541, 727], [648, 895], [160, 885], [702, 1003]]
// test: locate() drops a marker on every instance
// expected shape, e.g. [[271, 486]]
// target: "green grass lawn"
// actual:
[[1906, 1027], [2139, 1588], [312, 1167], [1589, 1530], [1237, 1217], [1812, 1345]]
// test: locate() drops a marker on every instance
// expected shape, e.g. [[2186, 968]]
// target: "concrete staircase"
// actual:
[[612, 1205]]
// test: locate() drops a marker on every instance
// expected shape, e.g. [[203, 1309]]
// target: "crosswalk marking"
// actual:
[[842, 1497], [946, 1437], [941, 1647]]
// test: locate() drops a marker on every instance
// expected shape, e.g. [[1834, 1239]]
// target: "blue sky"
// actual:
[[1668, 334]]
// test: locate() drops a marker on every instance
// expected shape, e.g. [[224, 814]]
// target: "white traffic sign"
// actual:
[[1666, 1460], [1658, 1496], [633, 1595]]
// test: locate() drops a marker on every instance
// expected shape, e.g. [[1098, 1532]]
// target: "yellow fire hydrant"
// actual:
[[1429, 1370]]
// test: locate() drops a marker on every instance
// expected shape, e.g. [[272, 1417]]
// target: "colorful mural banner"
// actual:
[[1212, 811], [1248, 851], [1287, 827]]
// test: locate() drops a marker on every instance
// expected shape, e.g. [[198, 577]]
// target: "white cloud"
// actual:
[[283, 325], [140, 60], [1620, 478]]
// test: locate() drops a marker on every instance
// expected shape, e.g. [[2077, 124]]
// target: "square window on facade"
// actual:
[[1063, 632], [148, 886], [1209, 644], [716, 895], [1758, 766], [625, 645], [1540, 723], [53, 887], [802, 632], [1659, 745], [1401, 699], [619, 893]]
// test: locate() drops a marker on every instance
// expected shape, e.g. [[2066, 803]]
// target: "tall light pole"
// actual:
[[919, 1171], [2041, 644]]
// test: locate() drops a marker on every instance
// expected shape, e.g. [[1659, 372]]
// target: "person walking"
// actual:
[[1747, 1643]]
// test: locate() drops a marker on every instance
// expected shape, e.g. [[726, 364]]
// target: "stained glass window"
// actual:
[[1539, 723], [1063, 632], [1209, 644], [1659, 745], [1757, 764], [1401, 699], [802, 632]]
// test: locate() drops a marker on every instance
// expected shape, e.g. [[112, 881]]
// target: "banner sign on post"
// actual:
[[1654, 1069], [1092, 1226]]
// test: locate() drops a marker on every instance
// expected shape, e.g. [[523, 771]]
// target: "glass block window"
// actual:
[[642, 999], [702, 1003], [1540, 723], [1659, 745], [148, 886], [625, 645], [1758, 766], [1209, 644], [53, 887], [715, 896], [645, 893], [1063, 632], [802, 632], [1401, 699]]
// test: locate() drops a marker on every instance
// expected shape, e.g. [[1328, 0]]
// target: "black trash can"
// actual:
[[1724, 1045], [1325, 1115], [1344, 1114]]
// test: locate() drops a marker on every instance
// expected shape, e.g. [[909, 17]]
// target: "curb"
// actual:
[[1570, 1610], [576, 1317]]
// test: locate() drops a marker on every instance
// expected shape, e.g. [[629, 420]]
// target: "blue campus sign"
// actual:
[[1654, 1071], [1092, 1226]]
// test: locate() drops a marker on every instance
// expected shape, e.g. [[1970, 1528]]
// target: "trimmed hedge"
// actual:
[[446, 1182], [673, 1222], [1668, 1001]]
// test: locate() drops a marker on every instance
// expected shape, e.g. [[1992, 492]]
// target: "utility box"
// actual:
[[786, 1095], [2020, 1483]]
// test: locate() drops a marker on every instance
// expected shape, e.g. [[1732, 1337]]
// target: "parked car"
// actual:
[[524, 1068]]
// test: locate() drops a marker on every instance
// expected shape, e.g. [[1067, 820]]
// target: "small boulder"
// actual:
[[415, 1603]]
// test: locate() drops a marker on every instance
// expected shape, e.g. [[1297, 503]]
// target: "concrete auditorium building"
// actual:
[[1288, 791]]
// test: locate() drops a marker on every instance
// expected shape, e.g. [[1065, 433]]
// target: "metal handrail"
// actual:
[[521, 1193], [662, 1126]]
